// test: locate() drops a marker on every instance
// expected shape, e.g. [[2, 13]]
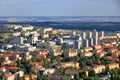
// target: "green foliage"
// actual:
[[60, 70], [91, 73], [65, 78], [76, 77], [1, 75], [47, 64], [118, 47]]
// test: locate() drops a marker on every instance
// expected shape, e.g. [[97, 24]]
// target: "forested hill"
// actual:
[[100, 26]]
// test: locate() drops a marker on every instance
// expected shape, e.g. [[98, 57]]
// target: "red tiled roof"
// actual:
[[28, 75], [17, 53], [108, 46], [73, 51], [9, 75], [86, 53], [98, 47], [111, 58], [102, 52]]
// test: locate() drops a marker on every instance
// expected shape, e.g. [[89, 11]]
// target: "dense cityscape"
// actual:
[[43, 53], [59, 39]]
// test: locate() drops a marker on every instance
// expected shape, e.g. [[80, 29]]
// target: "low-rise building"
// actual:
[[88, 49], [99, 69], [32, 76], [116, 54], [68, 64], [87, 54], [101, 54], [71, 53], [113, 65], [9, 76], [56, 52]]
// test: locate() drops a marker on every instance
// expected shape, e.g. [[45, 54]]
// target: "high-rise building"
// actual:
[[91, 42], [88, 34], [33, 39], [95, 34], [77, 44], [101, 34], [59, 41], [85, 43], [95, 41], [83, 35]]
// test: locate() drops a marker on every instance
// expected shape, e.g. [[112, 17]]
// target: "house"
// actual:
[[8, 62], [116, 54], [112, 65], [27, 28], [9, 76], [28, 57], [41, 56], [39, 69], [30, 76], [44, 52], [35, 63], [45, 36], [108, 46], [113, 50], [56, 52], [13, 69], [76, 71], [18, 54], [87, 54], [15, 34], [97, 48], [86, 49], [53, 32], [3, 69], [113, 59], [101, 54], [68, 64], [19, 73], [46, 71], [72, 71], [6, 57], [71, 53], [60, 76], [99, 69]]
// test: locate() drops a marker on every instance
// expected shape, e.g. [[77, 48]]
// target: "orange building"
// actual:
[[28, 76], [113, 65]]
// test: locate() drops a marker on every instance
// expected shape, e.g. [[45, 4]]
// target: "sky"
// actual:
[[59, 7]]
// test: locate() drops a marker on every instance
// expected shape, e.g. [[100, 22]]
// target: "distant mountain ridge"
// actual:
[[61, 19]]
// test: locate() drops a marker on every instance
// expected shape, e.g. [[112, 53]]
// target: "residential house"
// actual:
[[101, 54], [56, 52], [116, 54], [71, 53], [113, 65], [87, 49], [87, 54], [30, 76], [99, 69], [9, 76], [68, 64]]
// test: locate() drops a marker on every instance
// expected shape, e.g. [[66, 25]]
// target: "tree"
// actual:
[[60, 70], [65, 78], [118, 47], [83, 65], [76, 77], [2, 74], [92, 73]]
